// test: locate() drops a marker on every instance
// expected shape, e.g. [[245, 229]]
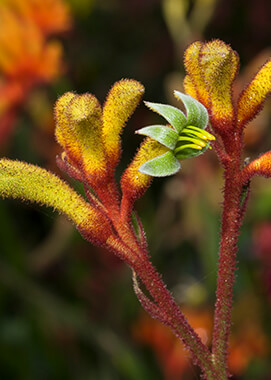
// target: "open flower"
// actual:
[[185, 136]]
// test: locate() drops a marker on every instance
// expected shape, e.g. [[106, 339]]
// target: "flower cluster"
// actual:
[[211, 69], [89, 135]]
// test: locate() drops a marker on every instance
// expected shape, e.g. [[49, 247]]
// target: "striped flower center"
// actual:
[[192, 139]]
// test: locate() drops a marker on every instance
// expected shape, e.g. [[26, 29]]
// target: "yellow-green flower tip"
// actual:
[[83, 107], [62, 125], [194, 80], [253, 96], [85, 117], [79, 131], [211, 68], [121, 102], [19, 180]]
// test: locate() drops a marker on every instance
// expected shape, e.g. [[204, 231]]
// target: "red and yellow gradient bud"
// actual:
[[253, 96], [78, 130], [85, 117], [135, 183], [211, 69], [220, 65], [261, 166], [121, 102], [63, 134], [194, 81]]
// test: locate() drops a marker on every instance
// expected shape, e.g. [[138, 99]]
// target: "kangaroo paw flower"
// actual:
[[211, 68], [261, 166], [185, 137], [79, 132], [252, 98], [20, 180], [121, 102]]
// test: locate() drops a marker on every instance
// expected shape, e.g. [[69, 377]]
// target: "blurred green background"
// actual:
[[67, 309]]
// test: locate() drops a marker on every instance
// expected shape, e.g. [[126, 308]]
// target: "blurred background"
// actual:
[[67, 309]]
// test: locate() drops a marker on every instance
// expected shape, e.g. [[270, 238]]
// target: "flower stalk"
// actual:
[[211, 69], [227, 264]]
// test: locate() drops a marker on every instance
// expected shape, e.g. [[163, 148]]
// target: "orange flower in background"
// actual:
[[27, 57], [175, 361], [50, 16], [250, 343], [246, 345]]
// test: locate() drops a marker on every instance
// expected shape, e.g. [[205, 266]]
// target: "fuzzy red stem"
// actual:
[[231, 220], [164, 304], [127, 247]]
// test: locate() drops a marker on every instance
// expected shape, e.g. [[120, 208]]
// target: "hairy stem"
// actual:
[[162, 306], [231, 220]]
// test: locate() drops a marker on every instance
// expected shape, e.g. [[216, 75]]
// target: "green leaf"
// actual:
[[164, 135], [173, 115], [192, 109], [161, 166], [196, 112]]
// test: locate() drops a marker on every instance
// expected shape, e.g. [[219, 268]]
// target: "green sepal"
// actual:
[[173, 115], [196, 113], [164, 135], [161, 166]]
